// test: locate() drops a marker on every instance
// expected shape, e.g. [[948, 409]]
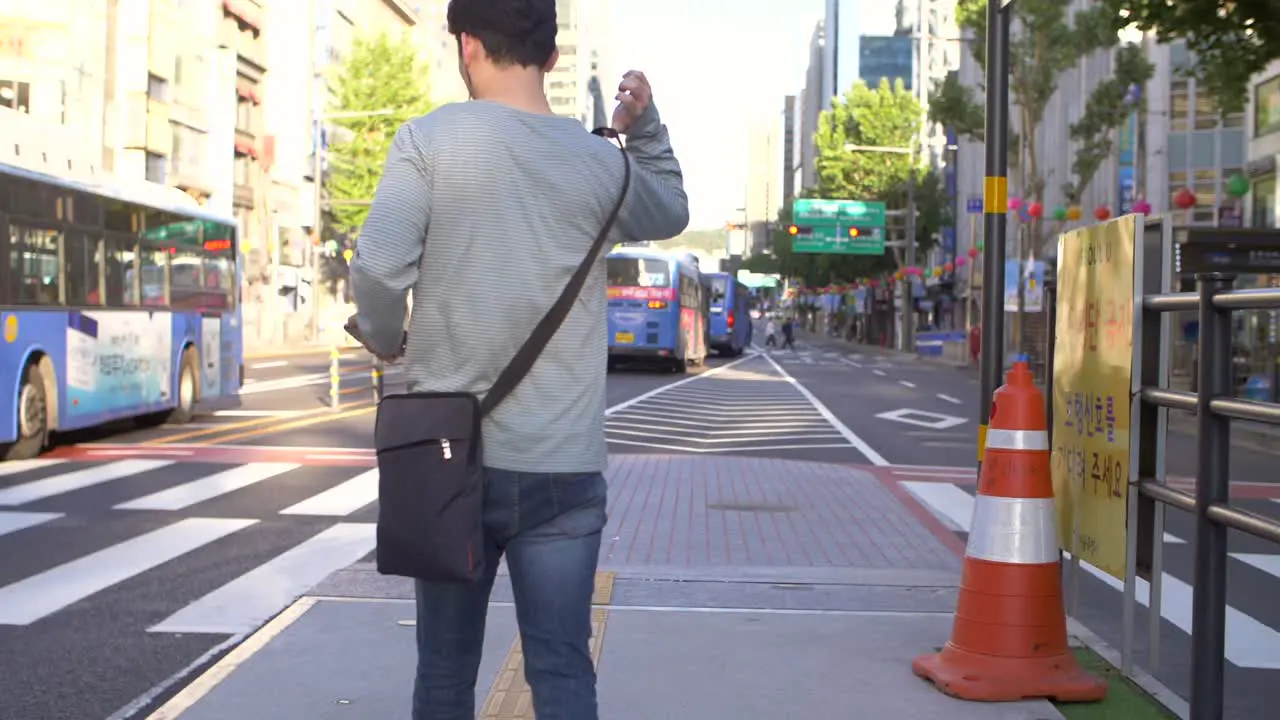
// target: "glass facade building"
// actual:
[[885, 57]]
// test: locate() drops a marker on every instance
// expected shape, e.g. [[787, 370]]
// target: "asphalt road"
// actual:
[[131, 556]]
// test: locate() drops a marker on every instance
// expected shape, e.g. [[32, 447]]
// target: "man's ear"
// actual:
[[551, 61]]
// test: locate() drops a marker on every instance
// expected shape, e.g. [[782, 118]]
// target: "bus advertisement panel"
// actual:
[[111, 308], [657, 310]]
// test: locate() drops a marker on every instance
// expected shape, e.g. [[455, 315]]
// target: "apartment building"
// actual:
[[1264, 147], [53, 85], [574, 85]]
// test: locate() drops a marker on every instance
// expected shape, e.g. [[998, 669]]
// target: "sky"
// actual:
[[716, 67]]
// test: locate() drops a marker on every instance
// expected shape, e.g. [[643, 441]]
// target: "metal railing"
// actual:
[[1215, 408]]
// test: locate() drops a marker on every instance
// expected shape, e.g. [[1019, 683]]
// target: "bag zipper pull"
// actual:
[[446, 449]]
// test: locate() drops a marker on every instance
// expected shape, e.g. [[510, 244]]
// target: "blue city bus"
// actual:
[[657, 309], [730, 319], [115, 304]]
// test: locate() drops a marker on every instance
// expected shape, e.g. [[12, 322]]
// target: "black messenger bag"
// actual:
[[431, 455]]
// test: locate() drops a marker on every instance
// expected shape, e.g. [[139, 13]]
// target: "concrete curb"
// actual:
[[1140, 677]]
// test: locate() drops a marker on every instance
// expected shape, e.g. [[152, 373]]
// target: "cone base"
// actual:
[[986, 678]]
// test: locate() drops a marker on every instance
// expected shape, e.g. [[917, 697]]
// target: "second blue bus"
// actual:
[[730, 314], [657, 309]]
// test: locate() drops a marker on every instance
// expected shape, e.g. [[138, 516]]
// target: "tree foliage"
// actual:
[[382, 74], [1231, 40], [886, 116]]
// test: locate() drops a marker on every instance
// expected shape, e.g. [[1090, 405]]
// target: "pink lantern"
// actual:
[[1014, 204], [962, 261], [1142, 207], [1035, 210]]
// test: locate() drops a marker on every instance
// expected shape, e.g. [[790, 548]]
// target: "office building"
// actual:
[[574, 85], [788, 149], [886, 57], [764, 175], [814, 98], [53, 83], [1264, 147]]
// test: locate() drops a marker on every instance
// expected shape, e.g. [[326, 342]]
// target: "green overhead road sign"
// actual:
[[842, 212], [838, 227]]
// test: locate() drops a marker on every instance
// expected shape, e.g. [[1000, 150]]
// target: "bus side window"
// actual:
[[33, 256], [82, 255], [121, 272]]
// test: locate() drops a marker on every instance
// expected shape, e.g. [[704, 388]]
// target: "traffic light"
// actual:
[[854, 232], [794, 230]]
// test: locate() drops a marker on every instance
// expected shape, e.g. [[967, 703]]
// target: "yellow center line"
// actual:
[[510, 697], [358, 409]]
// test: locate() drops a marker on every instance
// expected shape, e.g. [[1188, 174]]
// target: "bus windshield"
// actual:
[[638, 272]]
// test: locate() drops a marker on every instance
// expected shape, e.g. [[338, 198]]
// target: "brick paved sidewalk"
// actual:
[[731, 589]]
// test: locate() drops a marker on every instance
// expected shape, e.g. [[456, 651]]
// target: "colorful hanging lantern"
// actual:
[[1142, 207], [1035, 210], [973, 252], [981, 244], [962, 261], [1238, 185], [1059, 213], [1184, 199], [949, 267], [1015, 204], [1102, 212], [1074, 212]]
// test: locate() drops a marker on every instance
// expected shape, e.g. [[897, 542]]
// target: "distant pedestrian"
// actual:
[[771, 333], [457, 181], [789, 334]]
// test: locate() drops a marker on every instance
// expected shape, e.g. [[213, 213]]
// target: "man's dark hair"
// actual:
[[513, 32]]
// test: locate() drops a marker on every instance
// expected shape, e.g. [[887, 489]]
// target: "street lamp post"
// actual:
[[908, 327], [317, 187]]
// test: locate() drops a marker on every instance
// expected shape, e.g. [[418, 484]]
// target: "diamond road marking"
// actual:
[[921, 418]]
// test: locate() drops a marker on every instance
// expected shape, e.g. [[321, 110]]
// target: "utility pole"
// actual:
[[995, 206]]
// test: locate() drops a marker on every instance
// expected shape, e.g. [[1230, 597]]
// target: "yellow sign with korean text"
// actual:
[[1092, 381]]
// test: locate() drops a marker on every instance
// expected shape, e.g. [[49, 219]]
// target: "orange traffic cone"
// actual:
[[1009, 641]]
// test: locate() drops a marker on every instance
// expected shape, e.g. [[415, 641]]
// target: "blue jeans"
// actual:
[[548, 526]]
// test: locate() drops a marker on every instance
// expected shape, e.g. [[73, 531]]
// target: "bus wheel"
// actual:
[[33, 418], [185, 410]]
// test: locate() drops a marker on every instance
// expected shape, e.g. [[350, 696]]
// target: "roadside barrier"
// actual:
[[1009, 640], [377, 376]]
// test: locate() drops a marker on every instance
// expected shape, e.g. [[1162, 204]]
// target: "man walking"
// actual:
[[475, 197]]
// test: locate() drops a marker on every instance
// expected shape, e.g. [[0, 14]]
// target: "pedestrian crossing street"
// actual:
[[1253, 618], [306, 521]]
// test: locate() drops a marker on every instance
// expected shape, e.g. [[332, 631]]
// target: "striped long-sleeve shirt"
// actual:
[[484, 211]]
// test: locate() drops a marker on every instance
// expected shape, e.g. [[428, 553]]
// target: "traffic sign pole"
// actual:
[[995, 207]]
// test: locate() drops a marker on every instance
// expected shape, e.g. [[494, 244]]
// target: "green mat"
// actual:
[[1125, 700]]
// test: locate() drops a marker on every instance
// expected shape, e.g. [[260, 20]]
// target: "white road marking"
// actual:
[[39, 596], [878, 372], [251, 599], [341, 499], [258, 413], [670, 386], [861, 445], [206, 488], [950, 399], [931, 420], [269, 365], [13, 521], [77, 480], [904, 383], [13, 467]]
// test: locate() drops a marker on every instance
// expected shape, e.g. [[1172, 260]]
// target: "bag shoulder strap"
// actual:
[[546, 328]]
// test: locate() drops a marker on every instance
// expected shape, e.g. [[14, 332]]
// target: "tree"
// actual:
[[1231, 41], [887, 116], [1045, 43], [381, 75]]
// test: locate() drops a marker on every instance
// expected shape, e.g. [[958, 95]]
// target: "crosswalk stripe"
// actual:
[[340, 500], [205, 488], [38, 596], [1250, 643], [251, 599], [76, 480], [13, 467], [13, 521]]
